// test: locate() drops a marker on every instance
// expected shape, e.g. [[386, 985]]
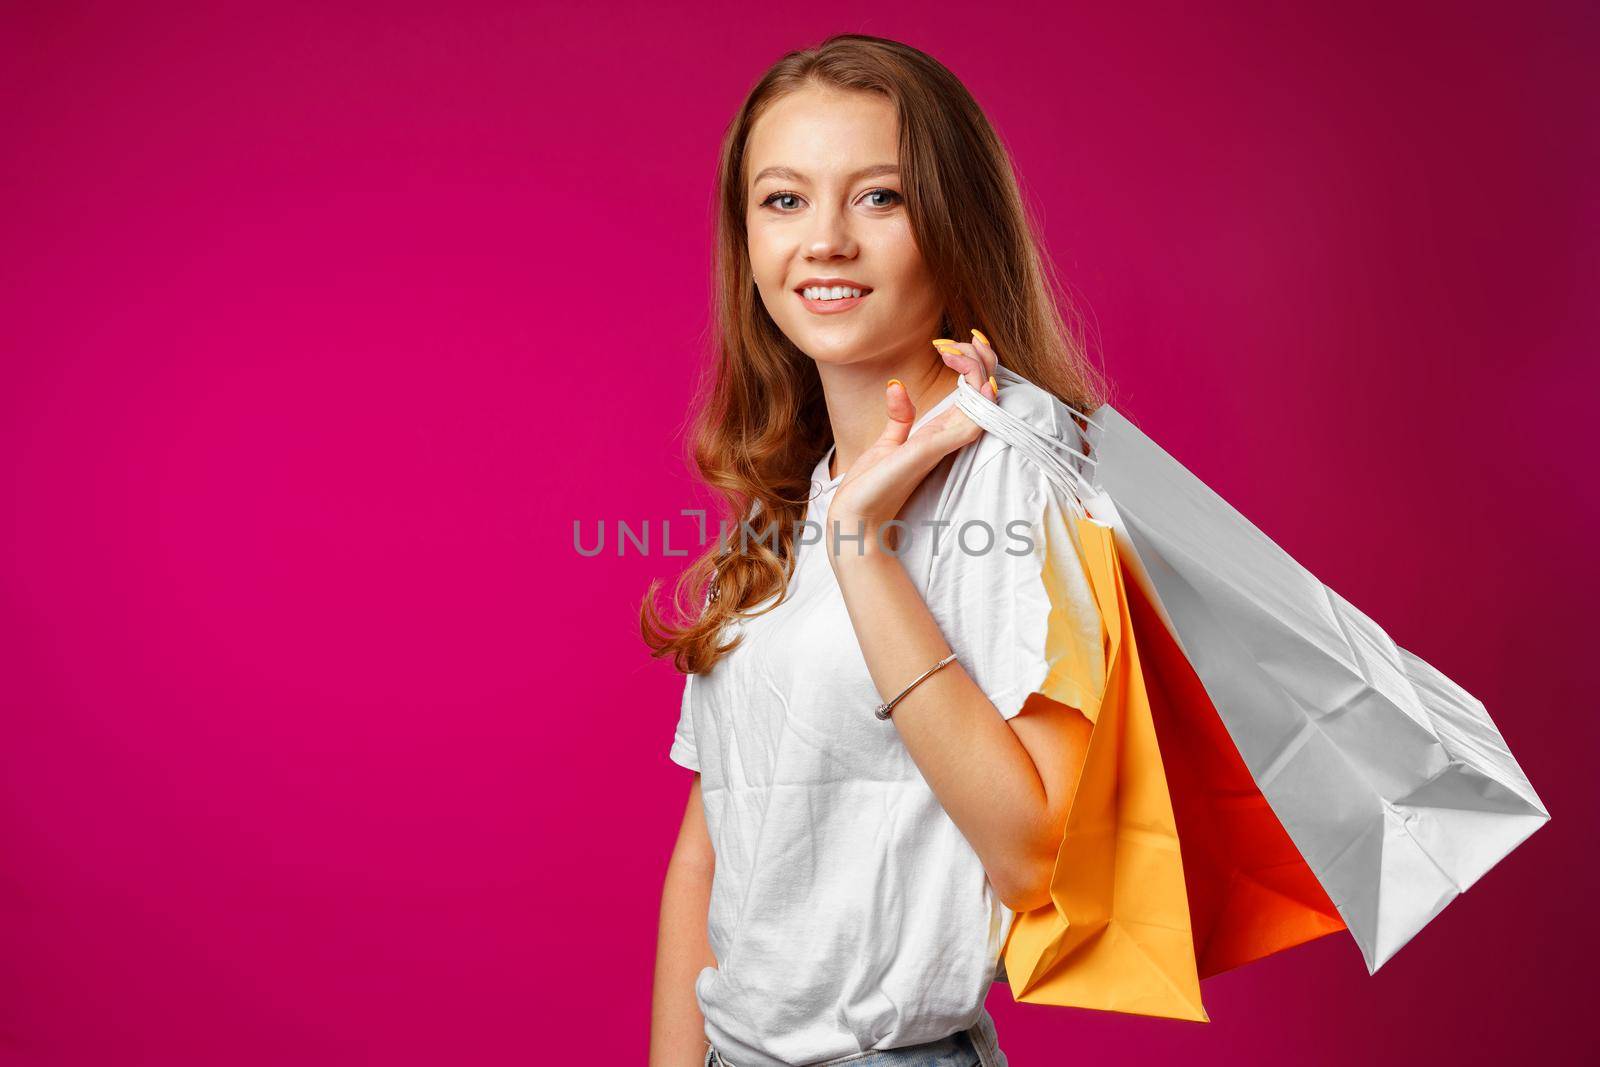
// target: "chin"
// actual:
[[832, 354]]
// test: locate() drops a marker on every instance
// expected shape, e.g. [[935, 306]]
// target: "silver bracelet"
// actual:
[[883, 711]]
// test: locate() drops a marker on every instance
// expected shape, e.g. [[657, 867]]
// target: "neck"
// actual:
[[857, 409]]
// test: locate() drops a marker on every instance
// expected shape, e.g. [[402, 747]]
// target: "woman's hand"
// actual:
[[975, 362], [881, 480]]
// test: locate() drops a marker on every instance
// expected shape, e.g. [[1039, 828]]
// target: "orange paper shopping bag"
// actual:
[[1251, 893], [1116, 935]]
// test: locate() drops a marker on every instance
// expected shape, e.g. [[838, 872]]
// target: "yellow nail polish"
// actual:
[[943, 341], [896, 381], [993, 387], [978, 336]]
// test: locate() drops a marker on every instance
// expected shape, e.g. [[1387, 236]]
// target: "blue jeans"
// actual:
[[976, 1046]]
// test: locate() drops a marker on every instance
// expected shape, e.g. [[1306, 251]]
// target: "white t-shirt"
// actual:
[[847, 910]]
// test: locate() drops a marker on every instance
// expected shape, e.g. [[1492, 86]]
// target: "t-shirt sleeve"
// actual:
[[683, 750], [1022, 615]]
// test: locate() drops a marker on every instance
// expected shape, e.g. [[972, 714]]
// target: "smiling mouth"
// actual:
[[832, 306]]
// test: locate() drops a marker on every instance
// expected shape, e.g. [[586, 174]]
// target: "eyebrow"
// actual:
[[789, 174]]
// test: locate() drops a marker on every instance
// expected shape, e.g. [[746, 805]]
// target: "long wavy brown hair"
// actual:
[[761, 425]]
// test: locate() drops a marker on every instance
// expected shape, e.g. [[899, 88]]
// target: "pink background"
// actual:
[[322, 323]]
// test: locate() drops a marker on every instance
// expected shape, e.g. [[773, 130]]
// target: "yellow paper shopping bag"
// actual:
[[1116, 935]]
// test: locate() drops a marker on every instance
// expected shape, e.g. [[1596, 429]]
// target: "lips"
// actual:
[[833, 307]]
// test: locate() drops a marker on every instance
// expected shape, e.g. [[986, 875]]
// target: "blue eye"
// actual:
[[896, 198]]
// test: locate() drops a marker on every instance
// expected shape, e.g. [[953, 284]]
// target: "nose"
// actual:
[[830, 235]]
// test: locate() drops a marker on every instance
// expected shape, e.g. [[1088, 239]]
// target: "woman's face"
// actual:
[[824, 203]]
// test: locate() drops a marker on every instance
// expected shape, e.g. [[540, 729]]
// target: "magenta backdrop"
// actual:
[[322, 745]]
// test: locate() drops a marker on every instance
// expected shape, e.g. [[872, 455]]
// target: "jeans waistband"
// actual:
[[956, 1049]]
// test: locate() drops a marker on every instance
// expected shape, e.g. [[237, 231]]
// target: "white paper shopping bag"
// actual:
[[1391, 780]]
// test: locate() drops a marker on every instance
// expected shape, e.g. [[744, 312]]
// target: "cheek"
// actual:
[[904, 259], [765, 258]]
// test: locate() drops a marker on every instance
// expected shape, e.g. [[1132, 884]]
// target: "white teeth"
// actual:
[[836, 292]]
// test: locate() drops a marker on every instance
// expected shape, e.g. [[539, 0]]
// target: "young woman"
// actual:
[[846, 874]]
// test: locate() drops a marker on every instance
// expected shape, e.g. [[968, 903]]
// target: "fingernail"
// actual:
[[943, 341], [950, 347], [993, 386], [978, 336], [896, 381]]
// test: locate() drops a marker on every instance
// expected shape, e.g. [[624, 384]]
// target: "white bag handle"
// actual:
[[1049, 452]]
